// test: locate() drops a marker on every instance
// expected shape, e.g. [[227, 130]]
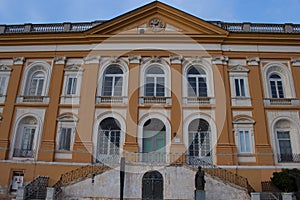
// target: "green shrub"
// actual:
[[286, 180]]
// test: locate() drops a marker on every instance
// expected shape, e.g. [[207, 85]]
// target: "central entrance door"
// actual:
[[154, 141], [152, 188]]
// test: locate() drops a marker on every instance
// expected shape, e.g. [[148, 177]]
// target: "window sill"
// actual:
[[241, 101], [69, 99], [246, 158], [63, 154]]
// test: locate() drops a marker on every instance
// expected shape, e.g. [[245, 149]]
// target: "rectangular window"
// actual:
[[65, 139], [118, 86], [71, 86], [27, 140], [107, 88], [149, 87], [244, 141], [2, 85], [160, 86], [202, 87], [192, 87], [239, 87]]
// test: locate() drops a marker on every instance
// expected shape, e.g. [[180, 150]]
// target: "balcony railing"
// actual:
[[104, 158], [23, 153], [155, 100], [167, 158], [111, 99], [288, 158], [33, 99], [281, 101], [198, 100], [83, 26]]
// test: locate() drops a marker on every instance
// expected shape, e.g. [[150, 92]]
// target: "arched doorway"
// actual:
[[153, 186], [108, 142], [154, 141], [199, 142]]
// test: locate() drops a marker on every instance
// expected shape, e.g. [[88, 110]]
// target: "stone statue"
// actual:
[[199, 179]]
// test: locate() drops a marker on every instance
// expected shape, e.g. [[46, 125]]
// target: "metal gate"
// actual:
[[152, 188]]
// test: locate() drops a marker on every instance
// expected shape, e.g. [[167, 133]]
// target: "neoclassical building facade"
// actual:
[[163, 89]]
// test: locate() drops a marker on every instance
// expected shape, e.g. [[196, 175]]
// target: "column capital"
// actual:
[[295, 61], [60, 60], [4, 68], [18, 60], [176, 59], [220, 60], [91, 59], [134, 59], [252, 61]]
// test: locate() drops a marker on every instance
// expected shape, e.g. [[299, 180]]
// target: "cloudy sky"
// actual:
[[43, 11]]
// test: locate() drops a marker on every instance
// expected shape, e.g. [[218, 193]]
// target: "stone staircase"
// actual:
[[77, 175]]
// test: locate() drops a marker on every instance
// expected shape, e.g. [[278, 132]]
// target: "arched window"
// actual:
[[155, 82], [112, 81], [108, 144], [36, 84], [284, 143], [24, 145], [154, 141], [197, 83], [36, 81], [276, 86], [199, 140]]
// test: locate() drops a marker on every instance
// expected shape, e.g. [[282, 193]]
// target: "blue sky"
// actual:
[[43, 11]]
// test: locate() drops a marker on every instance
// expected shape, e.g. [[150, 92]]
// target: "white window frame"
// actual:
[[162, 64], [106, 63], [39, 77], [113, 76], [276, 80], [239, 88], [155, 77], [206, 65], [277, 140], [5, 73], [246, 141], [18, 135], [72, 71], [66, 121], [239, 72], [197, 77], [244, 124], [284, 71], [30, 70]]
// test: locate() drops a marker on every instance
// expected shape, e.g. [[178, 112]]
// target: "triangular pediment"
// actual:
[[238, 68], [157, 18]]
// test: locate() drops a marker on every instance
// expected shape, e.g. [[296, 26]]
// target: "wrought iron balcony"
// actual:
[[23, 153], [288, 158], [155, 100], [111, 99]]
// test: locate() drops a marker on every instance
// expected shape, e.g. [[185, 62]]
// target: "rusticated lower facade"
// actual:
[[157, 86]]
